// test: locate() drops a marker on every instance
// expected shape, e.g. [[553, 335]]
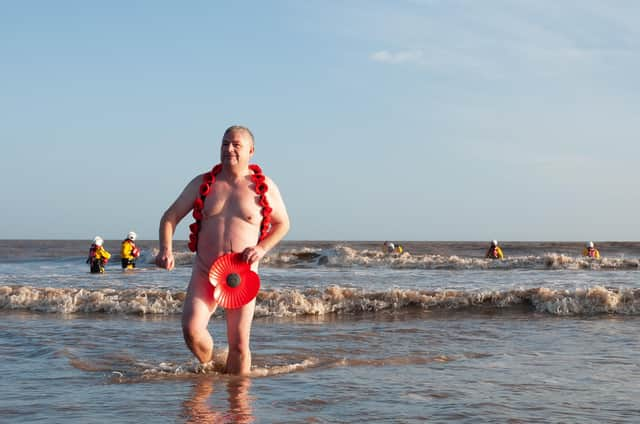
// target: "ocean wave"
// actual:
[[344, 256], [75, 300], [333, 300]]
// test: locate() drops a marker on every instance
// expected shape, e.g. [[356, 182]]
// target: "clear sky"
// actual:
[[401, 120]]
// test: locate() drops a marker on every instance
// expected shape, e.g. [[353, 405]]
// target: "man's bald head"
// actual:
[[235, 128]]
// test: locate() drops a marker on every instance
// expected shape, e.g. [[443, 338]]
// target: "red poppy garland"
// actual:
[[208, 179], [234, 281]]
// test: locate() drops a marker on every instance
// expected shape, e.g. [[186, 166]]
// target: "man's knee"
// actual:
[[240, 348], [191, 333]]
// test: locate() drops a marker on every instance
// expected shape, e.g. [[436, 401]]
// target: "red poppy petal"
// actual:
[[198, 203], [233, 297], [194, 228], [255, 168], [216, 169], [207, 178], [264, 202], [257, 178], [261, 188], [266, 211], [192, 245], [204, 189], [222, 266], [197, 214], [236, 297]]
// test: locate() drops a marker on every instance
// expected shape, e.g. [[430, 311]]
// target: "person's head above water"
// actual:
[[589, 245], [494, 243], [131, 236], [97, 240], [237, 146], [234, 128]]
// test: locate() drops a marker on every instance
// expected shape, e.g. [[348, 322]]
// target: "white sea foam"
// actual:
[[344, 256], [74, 300], [331, 300]]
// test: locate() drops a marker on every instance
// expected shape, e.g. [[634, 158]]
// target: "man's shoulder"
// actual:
[[268, 179], [197, 179]]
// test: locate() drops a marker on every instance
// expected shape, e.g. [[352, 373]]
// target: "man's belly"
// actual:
[[220, 235]]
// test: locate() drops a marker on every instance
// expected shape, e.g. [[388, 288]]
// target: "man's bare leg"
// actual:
[[196, 313], [238, 334]]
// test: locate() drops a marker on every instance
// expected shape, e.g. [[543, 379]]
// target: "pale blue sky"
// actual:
[[402, 120]]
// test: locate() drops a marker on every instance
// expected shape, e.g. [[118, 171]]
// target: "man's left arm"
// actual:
[[279, 226]]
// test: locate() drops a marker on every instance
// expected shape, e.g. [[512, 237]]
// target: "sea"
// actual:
[[343, 333]]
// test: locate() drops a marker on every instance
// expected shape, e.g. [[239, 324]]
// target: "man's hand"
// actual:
[[253, 254], [165, 259]]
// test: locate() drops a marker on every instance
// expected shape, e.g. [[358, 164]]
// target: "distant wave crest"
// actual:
[[344, 256], [331, 300]]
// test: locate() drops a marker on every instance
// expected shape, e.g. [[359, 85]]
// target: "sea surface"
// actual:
[[342, 333]]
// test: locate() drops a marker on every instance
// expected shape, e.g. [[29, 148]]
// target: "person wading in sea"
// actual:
[[236, 208]]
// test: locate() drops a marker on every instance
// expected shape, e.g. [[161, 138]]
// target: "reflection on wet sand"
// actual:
[[199, 407], [239, 402]]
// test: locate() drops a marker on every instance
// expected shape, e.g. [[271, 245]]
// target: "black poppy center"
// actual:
[[233, 280]]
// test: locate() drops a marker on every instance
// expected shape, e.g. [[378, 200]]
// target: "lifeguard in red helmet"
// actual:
[[494, 251], [590, 251], [98, 256], [129, 252]]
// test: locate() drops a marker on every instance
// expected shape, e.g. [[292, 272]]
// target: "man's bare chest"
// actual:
[[225, 201]]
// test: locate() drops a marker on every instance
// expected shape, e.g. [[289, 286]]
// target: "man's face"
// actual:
[[236, 148]]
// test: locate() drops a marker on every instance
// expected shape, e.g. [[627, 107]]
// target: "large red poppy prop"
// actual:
[[235, 284]]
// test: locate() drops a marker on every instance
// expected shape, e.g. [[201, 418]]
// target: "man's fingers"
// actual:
[[245, 255], [251, 254]]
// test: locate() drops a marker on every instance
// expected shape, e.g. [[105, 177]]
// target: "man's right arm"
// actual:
[[170, 219]]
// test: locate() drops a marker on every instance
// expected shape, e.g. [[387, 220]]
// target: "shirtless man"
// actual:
[[231, 220]]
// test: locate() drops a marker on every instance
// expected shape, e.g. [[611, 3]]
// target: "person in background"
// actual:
[[494, 252], [399, 249], [389, 247], [98, 256], [590, 251], [129, 252]]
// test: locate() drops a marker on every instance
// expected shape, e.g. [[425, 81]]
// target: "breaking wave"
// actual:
[[343, 256], [332, 300]]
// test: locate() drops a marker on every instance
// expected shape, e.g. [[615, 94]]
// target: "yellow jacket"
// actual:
[[102, 254], [497, 255], [128, 250], [595, 253]]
